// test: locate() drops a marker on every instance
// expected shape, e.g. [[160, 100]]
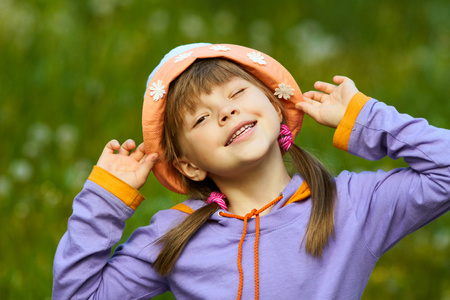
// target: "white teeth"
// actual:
[[241, 130]]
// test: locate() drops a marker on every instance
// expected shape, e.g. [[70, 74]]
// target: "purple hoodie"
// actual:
[[374, 210]]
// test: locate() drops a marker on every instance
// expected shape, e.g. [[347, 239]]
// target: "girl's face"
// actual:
[[232, 130]]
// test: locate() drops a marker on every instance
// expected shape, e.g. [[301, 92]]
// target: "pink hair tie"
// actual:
[[217, 198], [285, 138]]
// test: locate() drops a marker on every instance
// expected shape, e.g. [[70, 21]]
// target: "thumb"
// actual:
[[145, 168]]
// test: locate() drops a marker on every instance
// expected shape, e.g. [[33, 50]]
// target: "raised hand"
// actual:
[[131, 167], [328, 105]]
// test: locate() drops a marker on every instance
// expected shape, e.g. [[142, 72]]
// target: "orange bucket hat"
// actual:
[[265, 68]]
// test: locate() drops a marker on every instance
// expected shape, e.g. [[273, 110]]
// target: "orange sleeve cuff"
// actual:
[[343, 131], [128, 194]]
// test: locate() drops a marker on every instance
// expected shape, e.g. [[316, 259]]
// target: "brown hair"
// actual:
[[200, 78]]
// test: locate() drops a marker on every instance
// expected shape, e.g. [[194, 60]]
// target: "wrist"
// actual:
[[344, 129], [122, 190]]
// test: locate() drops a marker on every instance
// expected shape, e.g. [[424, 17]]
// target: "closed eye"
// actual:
[[199, 120], [237, 93]]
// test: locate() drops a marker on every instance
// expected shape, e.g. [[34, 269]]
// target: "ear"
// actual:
[[190, 170]]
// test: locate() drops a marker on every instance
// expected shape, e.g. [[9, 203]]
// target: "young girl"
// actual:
[[217, 120]]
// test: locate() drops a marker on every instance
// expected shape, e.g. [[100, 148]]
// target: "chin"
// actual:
[[257, 152]]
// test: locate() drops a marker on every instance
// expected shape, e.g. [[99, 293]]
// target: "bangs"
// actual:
[[201, 78]]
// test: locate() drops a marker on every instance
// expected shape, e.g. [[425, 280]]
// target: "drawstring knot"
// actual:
[[251, 214]]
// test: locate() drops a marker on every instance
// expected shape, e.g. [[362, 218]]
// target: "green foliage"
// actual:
[[72, 77]]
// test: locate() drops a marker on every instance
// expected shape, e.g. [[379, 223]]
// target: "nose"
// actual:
[[227, 112]]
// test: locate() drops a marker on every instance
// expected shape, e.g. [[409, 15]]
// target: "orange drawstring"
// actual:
[[248, 216]]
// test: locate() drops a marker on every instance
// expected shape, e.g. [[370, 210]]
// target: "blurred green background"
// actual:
[[72, 77]]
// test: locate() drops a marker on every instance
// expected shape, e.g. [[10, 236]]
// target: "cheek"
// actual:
[[192, 144], [276, 120], [183, 141], [275, 113], [278, 111]]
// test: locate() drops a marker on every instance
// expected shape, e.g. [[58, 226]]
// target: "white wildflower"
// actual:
[[159, 21], [257, 58], [158, 90], [193, 27], [21, 170], [284, 91], [225, 23], [40, 133], [183, 56]]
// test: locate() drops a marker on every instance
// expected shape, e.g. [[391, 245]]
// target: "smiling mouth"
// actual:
[[240, 131]]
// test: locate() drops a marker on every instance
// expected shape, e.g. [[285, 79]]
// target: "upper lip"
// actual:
[[236, 128]]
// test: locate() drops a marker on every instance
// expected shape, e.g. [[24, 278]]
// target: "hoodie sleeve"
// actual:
[[83, 267], [390, 205]]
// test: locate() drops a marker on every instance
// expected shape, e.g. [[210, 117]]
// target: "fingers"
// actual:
[[146, 166], [327, 88], [139, 153], [310, 107], [111, 147], [126, 147], [312, 102], [314, 95], [338, 79], [324, 87]]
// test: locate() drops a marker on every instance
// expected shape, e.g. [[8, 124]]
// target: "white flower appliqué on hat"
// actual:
[[183, 56], [284, 91], [257, 58], [219, 48], [158, 90]]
